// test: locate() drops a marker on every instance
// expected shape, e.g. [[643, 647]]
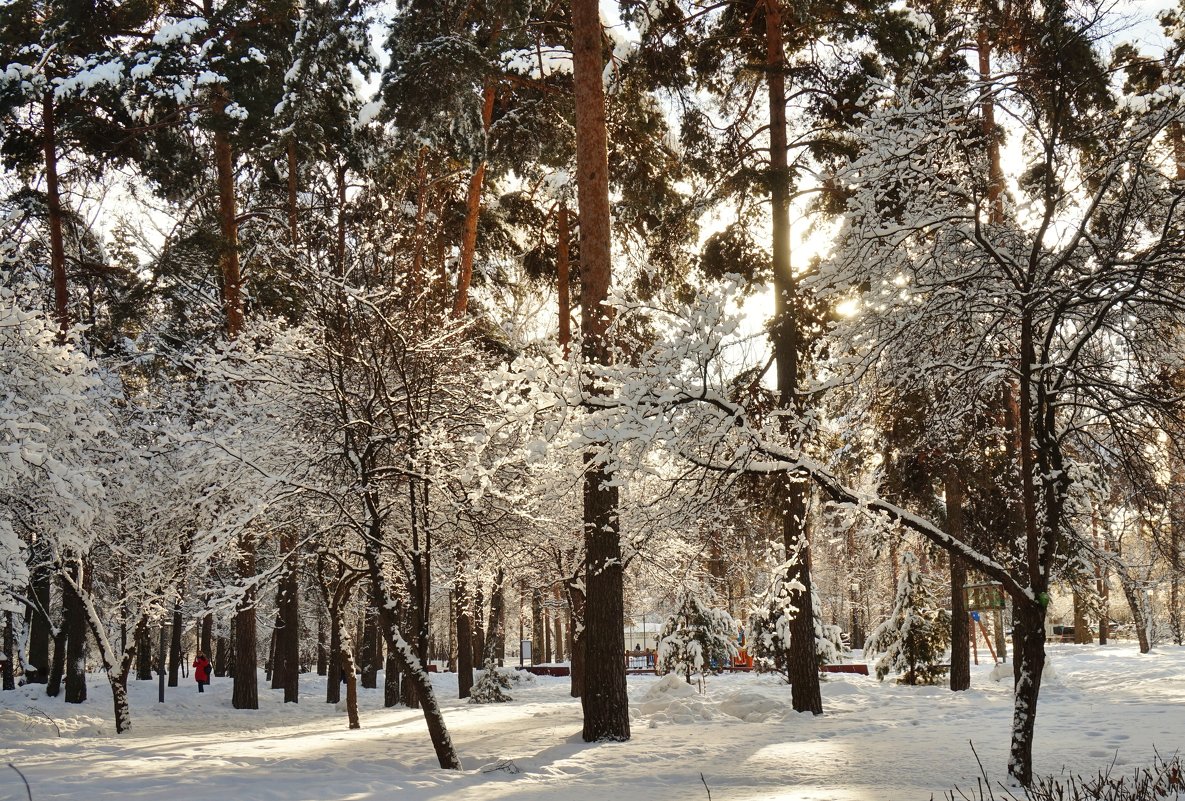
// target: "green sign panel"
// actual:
[[984, 596]]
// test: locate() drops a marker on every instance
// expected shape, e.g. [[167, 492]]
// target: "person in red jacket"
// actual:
[[201, 671]]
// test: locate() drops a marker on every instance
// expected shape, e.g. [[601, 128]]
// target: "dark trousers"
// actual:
[[202, 685]]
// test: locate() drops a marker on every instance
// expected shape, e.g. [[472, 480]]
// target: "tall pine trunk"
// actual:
[[604, 700], [801, 661], [473, 212], [53, 202]]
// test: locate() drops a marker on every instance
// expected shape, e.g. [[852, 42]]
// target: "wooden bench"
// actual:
[[858, 668], [546, 670]]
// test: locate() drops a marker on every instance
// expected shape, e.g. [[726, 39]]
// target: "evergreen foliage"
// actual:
[[913, 640], [490, 686], [697, 638]]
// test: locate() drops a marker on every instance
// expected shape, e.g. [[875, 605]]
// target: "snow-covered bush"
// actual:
[[695, 638], [913, 639], [490, 686]]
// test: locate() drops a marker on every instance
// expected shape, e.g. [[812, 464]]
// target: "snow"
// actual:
[[875, 741]]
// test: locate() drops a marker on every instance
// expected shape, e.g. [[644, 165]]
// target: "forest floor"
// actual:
[[875, 741]]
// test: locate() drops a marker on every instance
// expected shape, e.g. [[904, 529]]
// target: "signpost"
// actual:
[[987, 597]]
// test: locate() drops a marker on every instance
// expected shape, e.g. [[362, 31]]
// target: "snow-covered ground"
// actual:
[[876, 741]]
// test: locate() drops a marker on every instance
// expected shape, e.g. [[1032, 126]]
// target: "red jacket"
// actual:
[[201, 669]]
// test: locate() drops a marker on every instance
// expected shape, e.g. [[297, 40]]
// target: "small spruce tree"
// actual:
[[696, 637], [914, 638], [490, 688]]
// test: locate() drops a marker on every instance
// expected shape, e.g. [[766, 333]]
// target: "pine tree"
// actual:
[[913, 640], [696, 638], [490, 686]]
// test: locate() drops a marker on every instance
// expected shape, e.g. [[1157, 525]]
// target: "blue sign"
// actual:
[[975, 616]]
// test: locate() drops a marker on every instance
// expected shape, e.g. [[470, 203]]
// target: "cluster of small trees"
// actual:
[[329, 365]]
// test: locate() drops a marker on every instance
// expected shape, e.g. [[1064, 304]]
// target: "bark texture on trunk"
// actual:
[[75, 625], [575, 591], [496, 624], [178, 626], [38, 617], [473, 213], [604, 700], [538, 648], [391, 681], [346, 657], [410, 663], [6, 669], [464, 634], [960, 641], [53, 202], [245, 692], [802, 665], [1028, 665], [563, 267], [286, 658]]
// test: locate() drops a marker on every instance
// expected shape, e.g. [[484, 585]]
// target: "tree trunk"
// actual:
[[1028, 665], [563, 277], [207, 637], [7, 673], [53, 202], [322, 653], [333, 680], [410, 664], [995, 193], [1082, 633], [479, 630], [346, 657], [604, 701], [53, 684], [495, 633], [802, 665], [143, 649], [75, 625], [175, 644], [228, 259], [245, 693], [960, 642], [1176, 526], [1136, 601], [558, 635], [220, 657], [575, 590], [464, 633], [473, 211], [370, 652], [38, 616], [286, 658], [391, 682], [538, 627]]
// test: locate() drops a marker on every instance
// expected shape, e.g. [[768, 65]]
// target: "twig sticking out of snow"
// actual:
[[28, 789], [706, 787], [51, 720]]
